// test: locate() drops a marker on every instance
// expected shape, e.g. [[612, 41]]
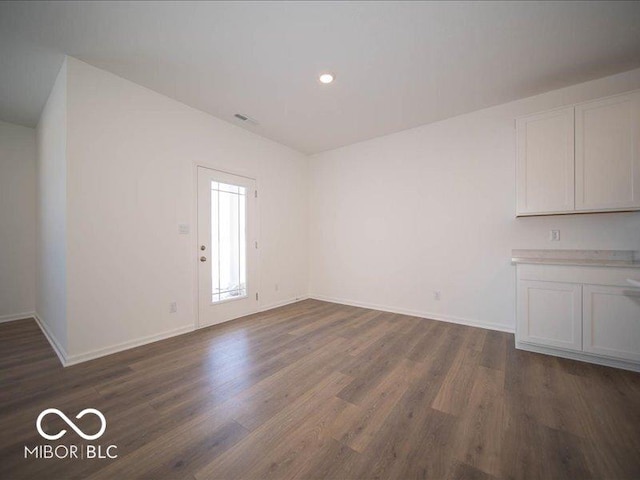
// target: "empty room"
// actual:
[[329, 240]]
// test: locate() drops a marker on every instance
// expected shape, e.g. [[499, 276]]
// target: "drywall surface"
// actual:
[[131, 180], [51, 223], [18, 220], [394, 219]]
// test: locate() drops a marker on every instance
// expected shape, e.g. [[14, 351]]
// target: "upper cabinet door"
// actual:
[[545, 165], [608, 153]]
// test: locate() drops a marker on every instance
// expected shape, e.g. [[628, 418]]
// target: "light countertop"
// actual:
[[593, 258]]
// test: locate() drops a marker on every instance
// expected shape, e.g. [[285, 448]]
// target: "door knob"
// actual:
[[202, 247], [203, 259]]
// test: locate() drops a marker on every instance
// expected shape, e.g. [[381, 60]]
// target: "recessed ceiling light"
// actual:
[[326, 78]]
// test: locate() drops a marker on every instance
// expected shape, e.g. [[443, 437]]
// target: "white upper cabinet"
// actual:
[[583, 158], [608, 153], [545, 166]]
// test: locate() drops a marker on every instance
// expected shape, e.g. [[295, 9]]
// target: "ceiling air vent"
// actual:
[[246, 118]]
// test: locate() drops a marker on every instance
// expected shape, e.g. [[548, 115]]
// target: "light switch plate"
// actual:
[[554, 235], [183, 229]]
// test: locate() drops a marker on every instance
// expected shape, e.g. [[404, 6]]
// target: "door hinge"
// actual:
[[256, 295], [255, 193], [256, 242]]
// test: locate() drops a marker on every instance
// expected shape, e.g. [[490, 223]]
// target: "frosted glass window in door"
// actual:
[[228, 242]]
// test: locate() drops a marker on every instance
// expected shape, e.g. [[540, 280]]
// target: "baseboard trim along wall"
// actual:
[[580, 356], [402, 311], [103, 352], [16, 316], [282, 303], [68, 360], [60, 351]]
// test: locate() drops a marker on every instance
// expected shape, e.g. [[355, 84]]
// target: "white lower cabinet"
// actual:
[[611, 321], [585, 313], [550, 313]]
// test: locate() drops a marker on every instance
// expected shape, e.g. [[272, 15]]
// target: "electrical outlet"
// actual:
[[554, 235], [173, 307], [436, 294]]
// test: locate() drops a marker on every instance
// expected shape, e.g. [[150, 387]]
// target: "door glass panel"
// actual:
[[228, 242]]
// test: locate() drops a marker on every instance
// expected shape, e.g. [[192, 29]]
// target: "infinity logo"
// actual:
[[71, 424]]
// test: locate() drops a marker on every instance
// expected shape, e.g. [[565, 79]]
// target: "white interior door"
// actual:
[[227, 246]]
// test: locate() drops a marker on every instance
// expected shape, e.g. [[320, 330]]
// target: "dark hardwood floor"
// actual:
[[317, 390]]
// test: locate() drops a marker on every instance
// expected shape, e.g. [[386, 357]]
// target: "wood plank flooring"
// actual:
[[316, 390]]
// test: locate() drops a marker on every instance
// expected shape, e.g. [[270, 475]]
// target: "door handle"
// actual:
[[203, 259]]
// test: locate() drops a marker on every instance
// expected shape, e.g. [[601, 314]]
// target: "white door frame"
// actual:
[[195, 255]]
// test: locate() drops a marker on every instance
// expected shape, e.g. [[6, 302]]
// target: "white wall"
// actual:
[[17, 221], [131, 156], [432, 208], [51, 237], [381, 223]]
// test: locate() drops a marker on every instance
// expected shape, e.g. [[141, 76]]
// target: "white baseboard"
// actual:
[[68, 360], [583, 357], [55, 344], [16, 316], [282, 303], [403, 311], [102, 352]]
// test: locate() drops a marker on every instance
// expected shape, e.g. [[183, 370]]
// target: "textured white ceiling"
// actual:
[[397, 64]]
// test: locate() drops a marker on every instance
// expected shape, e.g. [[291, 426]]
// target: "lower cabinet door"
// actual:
[[550, 314], [612, 321]]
